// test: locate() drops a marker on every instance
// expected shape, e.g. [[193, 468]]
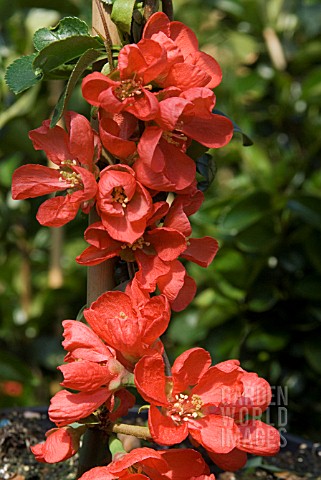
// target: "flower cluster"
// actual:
[[137, 172]]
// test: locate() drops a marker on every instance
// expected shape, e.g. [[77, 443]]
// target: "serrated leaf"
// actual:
[[122, 14], [84, 61], [67, 27], [20, 74], [247, 142], [62, 51]]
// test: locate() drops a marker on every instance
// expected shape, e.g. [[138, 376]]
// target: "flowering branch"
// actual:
[[148, 110]]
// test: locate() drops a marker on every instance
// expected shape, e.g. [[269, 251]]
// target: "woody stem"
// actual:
[[167, 7], [150, 7], [135, 430]]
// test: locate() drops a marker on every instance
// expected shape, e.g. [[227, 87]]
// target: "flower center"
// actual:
[[185, 407], [128, 88], [120, 196], [174, 138], [69, 176], [139, 244]]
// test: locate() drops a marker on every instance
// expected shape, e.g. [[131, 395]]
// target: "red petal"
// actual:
[[184, 463], [30, 181], [201, 250], [234, 460], [109, 134], [81, 139], [143, 456], [172, 282], [158, 22], [85, 376], [217, 387], [258, 438], [163, 430], [93, 85], [53, 141], [150, 379], [168, 243], [189, 367], [66, 407], [98, 473], [57, 447], [208, 64], [216, 433], [185, 295], [185, 76], [84, 343], [213, 132], [57, 211], [184, 38]]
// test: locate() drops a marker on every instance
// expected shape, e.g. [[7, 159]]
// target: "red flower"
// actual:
[[116, 131], [156, 253], [204, 402], [128, 87], [123, 203], [92, 369], [75, 153], [130, 324], [189, 67], [162, 163], [191, 114], [145, 463], [60, 444]]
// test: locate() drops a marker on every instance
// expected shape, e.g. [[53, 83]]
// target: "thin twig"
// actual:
[[168, 368], [167, 7], [107, 41]]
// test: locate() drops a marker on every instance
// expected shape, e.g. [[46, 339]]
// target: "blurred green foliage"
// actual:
[[260, 300]]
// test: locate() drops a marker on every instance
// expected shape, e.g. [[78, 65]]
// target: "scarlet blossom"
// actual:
[[156, 253], [127, 89], [60, 444], [162, 163], [123, 203], [116, 132], [189, 66], [148, 464], [190, 114], [204, 402], [129, 324], [75, 153], [12, 388], [92, 369]]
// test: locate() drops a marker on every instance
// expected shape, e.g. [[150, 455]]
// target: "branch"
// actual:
[[135, 430], [150, 7], [167, 7]]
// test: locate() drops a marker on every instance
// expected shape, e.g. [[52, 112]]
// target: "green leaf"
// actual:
[[21, 107], [115, 446], [84, 61], [122, 14], [307, 207], [312, 353], [272, 342], [205, 165], [67, 27], [20, 74], [57, 53], [246, 139], [247, 211]]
